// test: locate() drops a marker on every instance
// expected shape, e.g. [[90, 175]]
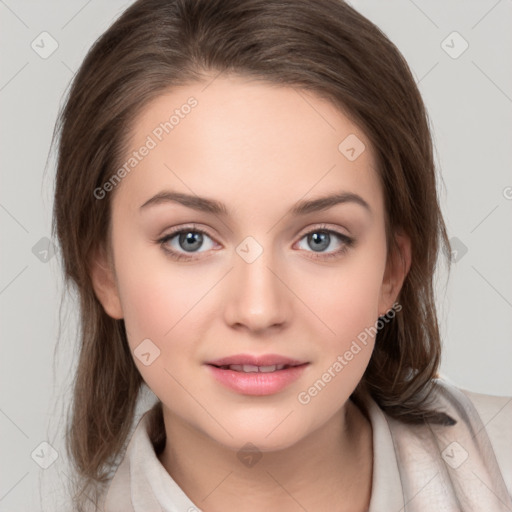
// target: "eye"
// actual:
[[321, 238], [188, 239]]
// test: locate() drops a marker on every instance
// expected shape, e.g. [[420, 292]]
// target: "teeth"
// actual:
[[249, 368], [267, 369]]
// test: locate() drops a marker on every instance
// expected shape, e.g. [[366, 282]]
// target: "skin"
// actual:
[[258, 148]]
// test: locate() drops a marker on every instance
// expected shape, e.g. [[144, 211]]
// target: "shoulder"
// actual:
[[482, 414], [496, 415]]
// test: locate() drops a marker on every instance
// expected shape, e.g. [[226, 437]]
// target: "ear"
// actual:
[[397, 267], [104, 283]]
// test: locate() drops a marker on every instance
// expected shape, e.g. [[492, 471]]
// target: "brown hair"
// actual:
[[323, 46]]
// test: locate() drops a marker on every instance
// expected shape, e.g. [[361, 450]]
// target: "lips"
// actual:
[[256, 375]]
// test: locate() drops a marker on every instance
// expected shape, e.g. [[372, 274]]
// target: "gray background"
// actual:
[[469, 99]]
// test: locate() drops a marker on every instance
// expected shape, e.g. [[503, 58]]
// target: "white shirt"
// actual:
[[464, 467]]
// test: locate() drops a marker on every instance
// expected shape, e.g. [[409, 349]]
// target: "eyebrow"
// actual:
[[207, 205]]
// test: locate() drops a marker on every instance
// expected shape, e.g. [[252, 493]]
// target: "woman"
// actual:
[[246, 202]]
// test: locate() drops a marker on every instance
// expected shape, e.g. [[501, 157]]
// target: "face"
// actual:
[[245, 264]]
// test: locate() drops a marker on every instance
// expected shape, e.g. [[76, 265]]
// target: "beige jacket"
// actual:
[[463, 467]]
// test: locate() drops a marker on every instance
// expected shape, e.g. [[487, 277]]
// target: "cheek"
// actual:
[[169, 305], [150, 306], [345, 298], [159, 304], [347, 304], [155, 292], [349, 308]]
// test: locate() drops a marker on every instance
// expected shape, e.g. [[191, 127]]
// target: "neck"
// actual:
[[331, 469]]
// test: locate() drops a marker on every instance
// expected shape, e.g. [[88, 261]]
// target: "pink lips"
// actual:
[[256, 375]]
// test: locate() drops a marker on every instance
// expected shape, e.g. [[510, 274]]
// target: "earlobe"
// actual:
[[104, 284], [397, 268]]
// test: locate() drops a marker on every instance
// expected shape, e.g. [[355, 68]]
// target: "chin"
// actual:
[[257, 441], [274, 434]]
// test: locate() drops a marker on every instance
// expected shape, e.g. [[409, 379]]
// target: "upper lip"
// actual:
[[262, 360]]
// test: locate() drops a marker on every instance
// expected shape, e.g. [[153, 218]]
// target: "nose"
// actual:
[[258, 298]]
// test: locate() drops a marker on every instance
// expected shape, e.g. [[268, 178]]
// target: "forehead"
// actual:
[[248, 143]]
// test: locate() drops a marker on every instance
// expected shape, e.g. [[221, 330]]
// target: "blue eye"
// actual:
[[320, 239], [190, 239]]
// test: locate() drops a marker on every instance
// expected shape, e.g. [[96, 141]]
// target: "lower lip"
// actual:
[[257, 383]]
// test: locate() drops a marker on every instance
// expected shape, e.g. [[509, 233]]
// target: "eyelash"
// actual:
[[348, 242]]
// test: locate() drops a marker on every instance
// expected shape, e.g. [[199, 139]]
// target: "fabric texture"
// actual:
[[466, 467]]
